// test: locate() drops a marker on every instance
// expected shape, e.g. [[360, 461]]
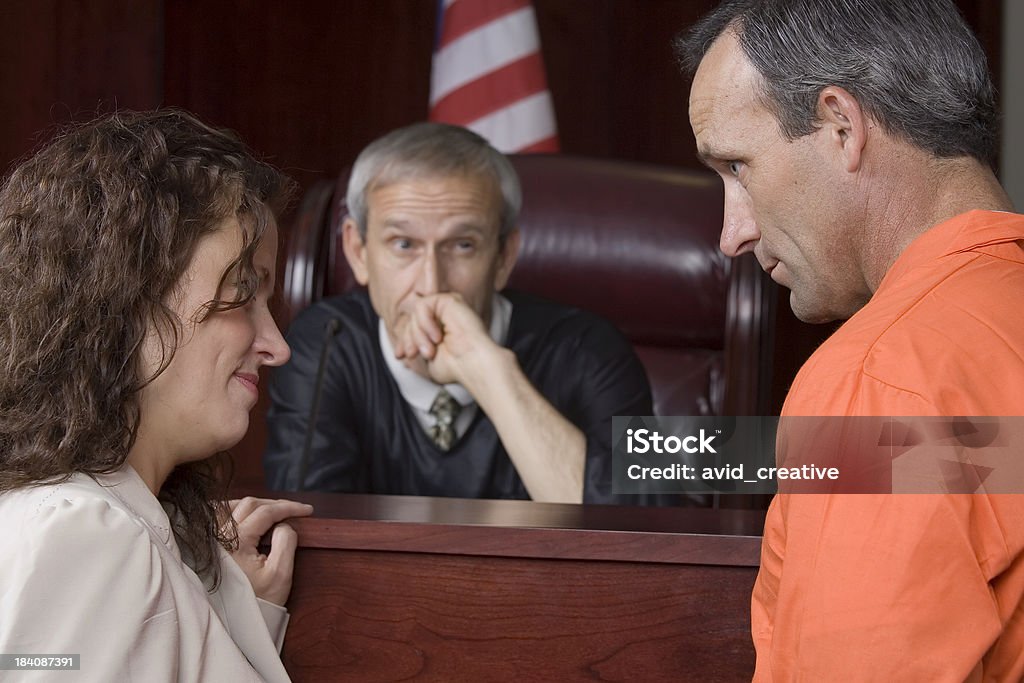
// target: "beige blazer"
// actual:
[[90, 567]]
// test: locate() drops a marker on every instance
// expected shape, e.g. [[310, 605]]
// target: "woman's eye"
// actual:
[[230, 289]]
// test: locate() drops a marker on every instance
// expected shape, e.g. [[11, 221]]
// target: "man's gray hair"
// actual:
[[432, 150], [913, 65]]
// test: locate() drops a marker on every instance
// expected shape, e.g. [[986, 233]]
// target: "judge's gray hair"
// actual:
[[431, 150]]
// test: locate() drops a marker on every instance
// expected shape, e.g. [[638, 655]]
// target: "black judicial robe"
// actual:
[[367, 439]]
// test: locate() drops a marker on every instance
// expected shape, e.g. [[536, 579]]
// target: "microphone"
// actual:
[[330, 329]]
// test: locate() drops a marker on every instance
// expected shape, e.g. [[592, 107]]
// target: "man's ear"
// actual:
[[846, 123], [355, 250], [507, 256]]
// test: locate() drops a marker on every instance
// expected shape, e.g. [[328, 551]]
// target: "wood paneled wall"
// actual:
[[63, 60], [309, 83]]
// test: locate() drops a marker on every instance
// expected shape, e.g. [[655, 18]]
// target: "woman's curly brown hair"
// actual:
[[96, 229]]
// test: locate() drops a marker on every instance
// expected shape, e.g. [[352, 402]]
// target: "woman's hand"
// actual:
[[270, 575]]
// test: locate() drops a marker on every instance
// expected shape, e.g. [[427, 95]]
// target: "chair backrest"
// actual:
[[635, 243]]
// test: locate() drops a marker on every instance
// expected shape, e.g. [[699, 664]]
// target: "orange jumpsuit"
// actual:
[[881, 587]]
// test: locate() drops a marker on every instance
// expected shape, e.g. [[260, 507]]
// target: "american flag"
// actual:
[[488, 74]]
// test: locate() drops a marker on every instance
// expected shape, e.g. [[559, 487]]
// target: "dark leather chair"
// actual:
[[635, 243]]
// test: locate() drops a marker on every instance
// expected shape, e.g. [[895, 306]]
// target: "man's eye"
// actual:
[[401, 244], [465, 246], [734, 167]]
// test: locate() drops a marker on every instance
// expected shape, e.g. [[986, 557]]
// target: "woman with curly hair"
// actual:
[[137, 259]]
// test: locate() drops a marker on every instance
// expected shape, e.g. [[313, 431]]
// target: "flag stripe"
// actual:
[[488, 48], [546, 145], [520, 125], [488, 74], [461, 17], [498, 89]]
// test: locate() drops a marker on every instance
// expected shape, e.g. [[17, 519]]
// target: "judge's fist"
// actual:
[[445, 339]]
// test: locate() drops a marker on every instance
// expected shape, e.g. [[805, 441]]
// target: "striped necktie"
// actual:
[[444, 410]]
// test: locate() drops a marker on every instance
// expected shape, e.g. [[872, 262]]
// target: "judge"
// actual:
[[439, 383]]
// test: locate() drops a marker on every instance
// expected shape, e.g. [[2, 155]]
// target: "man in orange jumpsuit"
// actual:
[[855, 140]]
